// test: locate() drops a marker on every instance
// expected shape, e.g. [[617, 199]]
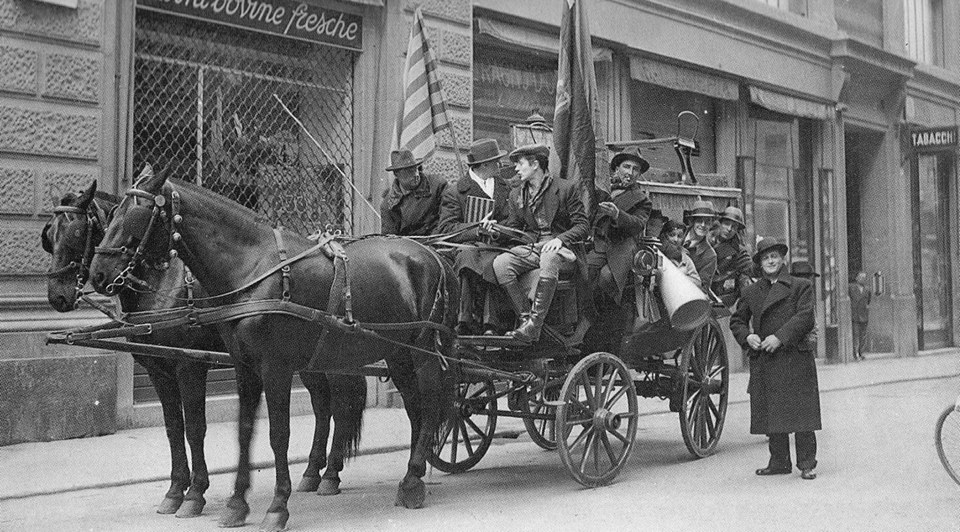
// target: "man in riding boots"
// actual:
[[621, 216], [733, 260], [699, 219], [551, 211], [411, 206], [481, 188]]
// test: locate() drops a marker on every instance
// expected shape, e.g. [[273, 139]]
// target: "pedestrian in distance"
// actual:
[[773, 317], [411, 206], [860, 298]]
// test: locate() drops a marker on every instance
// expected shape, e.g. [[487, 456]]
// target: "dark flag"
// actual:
[[577, 140]]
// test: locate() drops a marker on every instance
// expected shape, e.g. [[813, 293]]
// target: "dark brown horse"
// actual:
[[70, 236], [393, 280]]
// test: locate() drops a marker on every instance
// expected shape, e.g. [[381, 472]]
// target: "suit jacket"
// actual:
[[734, 267], [564, 210], [705, 259], [454, 203], [859, 299], [415, 213], [784, 395], [616, 239]]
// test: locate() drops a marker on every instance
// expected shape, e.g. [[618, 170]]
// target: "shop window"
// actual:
[[923, 30], [798, 7], [654, 111]]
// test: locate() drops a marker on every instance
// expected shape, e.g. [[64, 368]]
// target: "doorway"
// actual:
[[931, 249]]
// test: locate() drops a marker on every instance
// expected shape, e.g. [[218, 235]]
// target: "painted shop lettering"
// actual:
[[934, 138], [321, 25]]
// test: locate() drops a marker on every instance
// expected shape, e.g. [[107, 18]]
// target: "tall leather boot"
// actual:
[[529, 330]]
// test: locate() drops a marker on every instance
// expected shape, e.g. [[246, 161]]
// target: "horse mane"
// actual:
[[219, 199]]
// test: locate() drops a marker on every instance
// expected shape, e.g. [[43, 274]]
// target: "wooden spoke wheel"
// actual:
[[704, 379], [596, 419], [543, 432], [466, 433], [947, 438]]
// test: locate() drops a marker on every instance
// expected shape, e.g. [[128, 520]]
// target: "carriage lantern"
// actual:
[[534, 130]]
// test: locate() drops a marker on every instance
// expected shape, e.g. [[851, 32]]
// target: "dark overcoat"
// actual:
[[859, 299], [564, 210], [452, 209], [616, 239], [414, 213], [784, 396]]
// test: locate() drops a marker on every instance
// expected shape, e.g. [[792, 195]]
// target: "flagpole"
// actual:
[[330, 159]]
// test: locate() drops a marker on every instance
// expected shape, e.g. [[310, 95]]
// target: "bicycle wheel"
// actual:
[[947, 435]]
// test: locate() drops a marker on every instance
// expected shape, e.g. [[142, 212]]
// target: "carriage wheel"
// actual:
[[466, 433], [597, 419], [947, 440], [705, 377], [543, 432]]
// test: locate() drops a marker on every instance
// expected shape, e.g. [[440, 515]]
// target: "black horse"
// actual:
[[394, 280], [70, 236]]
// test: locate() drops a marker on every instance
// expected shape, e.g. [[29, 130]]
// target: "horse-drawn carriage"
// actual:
[[338, 305]]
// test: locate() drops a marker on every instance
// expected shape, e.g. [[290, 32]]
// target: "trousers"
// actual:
[[806, 447], [522, 259]]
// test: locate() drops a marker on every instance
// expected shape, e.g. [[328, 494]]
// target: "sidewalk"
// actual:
[[142, 455]]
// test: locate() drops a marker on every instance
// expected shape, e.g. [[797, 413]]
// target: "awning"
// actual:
[[790, 105], [375, 3], [525, 38], [683, 79]]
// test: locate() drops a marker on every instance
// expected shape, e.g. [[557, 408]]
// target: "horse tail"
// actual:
[[348, 400]]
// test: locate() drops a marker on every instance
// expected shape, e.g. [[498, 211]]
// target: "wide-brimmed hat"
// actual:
[[802, 268], [484, 150], [701, 209], [734, 215], [400, 159], [766, 245], [632, 154], [531, 149]]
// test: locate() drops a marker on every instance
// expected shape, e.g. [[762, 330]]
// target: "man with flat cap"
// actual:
[[551, 212], [621, 217], [700, 219], [772, 320], [411, 206], [479, 195], [734, 266]]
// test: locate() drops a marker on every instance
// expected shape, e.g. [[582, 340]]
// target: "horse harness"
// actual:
[[82, 270]]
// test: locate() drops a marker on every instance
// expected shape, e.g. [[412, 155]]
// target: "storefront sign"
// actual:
[[288, 18], [934, 139]]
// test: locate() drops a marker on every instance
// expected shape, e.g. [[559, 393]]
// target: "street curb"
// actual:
[[502, 434]]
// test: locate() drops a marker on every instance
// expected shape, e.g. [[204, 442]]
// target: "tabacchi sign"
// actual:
[[933, 139], [288, 18]]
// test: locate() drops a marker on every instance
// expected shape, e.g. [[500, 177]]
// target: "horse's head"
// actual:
[[70, 236], [139, 234]]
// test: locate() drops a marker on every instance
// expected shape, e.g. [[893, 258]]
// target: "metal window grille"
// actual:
[[204, 112]]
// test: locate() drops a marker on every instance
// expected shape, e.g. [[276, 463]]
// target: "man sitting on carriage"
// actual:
[[479, 195], [411, 206], [549, 210], [699, 220], [734, 266], [621, 216]]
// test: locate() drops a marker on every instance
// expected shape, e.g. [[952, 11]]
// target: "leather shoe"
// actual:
[[808, 474], [773, 471]]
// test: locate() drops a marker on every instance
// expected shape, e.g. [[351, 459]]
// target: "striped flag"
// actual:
[[423, 112], [477, 209], [577, 136]]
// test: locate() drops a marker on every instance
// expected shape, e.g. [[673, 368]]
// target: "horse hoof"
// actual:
[[233, 517], [411, 494], [191, 508], [274, 521], [309, 484], [329, 487], [169, 505]]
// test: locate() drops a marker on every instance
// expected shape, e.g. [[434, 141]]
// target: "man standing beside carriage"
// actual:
[[551, 211], [479, 195], [621, 216]]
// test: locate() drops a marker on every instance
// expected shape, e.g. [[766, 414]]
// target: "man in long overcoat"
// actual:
[[621, 216], [773, 317], [411, 206], [475, 265]]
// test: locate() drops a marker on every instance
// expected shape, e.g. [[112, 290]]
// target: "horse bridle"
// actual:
[[83, 268], [158, 201]]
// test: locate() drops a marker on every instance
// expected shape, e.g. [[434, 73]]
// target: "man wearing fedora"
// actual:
[[733, 260], [411, 206], [621, 216], [772, 320], [551, 212], [699, 219], [481, 188]]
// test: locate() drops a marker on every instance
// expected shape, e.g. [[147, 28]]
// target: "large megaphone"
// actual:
[[686, 304]]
